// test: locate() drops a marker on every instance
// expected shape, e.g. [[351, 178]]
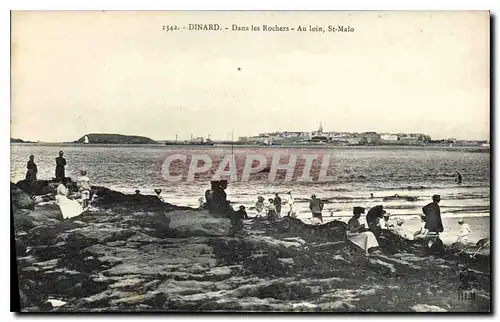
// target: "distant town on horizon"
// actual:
[[318, 136]]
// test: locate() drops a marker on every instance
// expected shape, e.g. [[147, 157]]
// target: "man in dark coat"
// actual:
[[432, 213], [60, 164], [373, 216]]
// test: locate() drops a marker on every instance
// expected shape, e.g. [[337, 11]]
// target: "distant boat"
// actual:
[[199, 141], [188, 143], [485, 145], [86, 140]]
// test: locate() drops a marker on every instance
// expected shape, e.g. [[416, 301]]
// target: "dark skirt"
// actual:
[[60, 174], [31, 174]]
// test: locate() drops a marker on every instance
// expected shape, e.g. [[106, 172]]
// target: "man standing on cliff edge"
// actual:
[[432, 213]]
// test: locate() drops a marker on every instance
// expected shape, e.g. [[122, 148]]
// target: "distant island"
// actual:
[[106, 138], [14, 140]]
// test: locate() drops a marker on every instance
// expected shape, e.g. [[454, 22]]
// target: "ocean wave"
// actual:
[[467, 209], [468, 196]]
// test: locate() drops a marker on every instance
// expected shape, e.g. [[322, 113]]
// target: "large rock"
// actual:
[[36, 187], [196, 223], [115, 200], [20, 199], [27, 219], [50, 211], [42, 226], [334, 230]]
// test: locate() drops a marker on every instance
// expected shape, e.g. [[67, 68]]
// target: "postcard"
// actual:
[[251, 161]]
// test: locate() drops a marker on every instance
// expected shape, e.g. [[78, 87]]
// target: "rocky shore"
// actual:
[[136, 253]]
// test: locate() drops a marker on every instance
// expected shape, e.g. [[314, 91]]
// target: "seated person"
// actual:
[[259, 205], [69, 207], [358, 234], [373, 218], [464, 232], [401, 231], [422, 232], [384, 222], [241, 213]]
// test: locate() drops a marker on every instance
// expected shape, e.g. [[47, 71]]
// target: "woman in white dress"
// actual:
[[401, 231], [69, 208], [357, 233], [422, 232]]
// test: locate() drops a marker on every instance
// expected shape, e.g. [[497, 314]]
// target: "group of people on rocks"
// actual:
[[217, 204], [69, 207], [273, 209], [377, 220]]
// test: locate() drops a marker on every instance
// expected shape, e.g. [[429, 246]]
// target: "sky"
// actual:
[[74, 73]]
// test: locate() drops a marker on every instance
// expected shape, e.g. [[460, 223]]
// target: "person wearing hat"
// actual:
[[32, 169], [432, 212], [236, 218], [357, 233], [401, 231], [384, 222], [316, 206], [259, 205], [158, 194], [289, 202], [464, 232], [373, 218], [422, 232]]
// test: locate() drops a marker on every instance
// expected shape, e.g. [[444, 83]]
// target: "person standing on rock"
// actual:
[[432, 212], [158, 194], [84, 188], [289, 202], [316, 206], [277, 203], [32, 169], [60, 164]]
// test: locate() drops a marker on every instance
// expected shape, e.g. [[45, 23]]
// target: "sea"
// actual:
[[354, 174]]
